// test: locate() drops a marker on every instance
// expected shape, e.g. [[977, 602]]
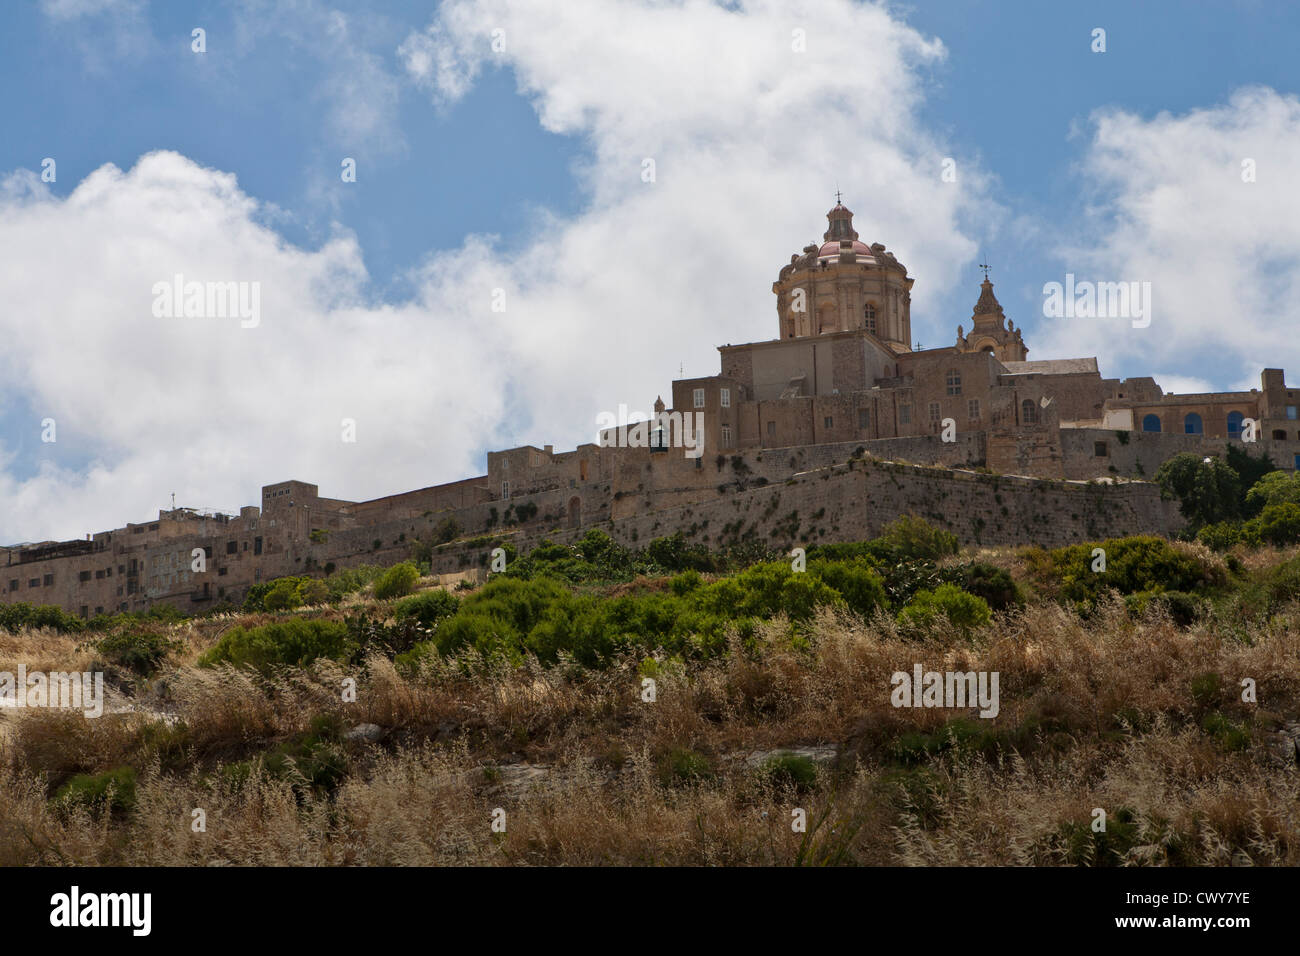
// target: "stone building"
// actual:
[[839, 380]]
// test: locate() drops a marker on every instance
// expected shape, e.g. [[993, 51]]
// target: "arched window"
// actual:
[[1192, 424], [1028, 412], [1234, 424], [869, 317], [1151, 423], [954, 382]]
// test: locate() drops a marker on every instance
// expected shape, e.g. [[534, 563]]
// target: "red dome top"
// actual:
[[832, 248]]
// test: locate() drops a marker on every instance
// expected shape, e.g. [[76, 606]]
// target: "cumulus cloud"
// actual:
[[1171, 201], [748, 135]]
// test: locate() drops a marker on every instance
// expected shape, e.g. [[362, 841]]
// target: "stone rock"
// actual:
[[367, 732]]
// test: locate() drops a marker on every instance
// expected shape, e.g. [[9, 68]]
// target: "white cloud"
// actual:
[[1169, 206], [749, 140]]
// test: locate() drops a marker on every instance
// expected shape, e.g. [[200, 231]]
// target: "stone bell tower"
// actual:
[[842, 284], [991, 330]]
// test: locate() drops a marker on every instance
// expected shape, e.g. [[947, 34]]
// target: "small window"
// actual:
[[1192, 424], [34, 582], [505, 491], [699, 398], [1029, 412], [1290, 412], [84, 576], [954, 382], [232, 547], [48, 580], [99, 574], [1099, 450], [257, 545], [13, 584], [828, 422], [904, 414], [1151, 423], [869, 318], [771, 429], [864, 418], [935, 412], [726, 436], [1279, 434], [724, 398], [973, 409]]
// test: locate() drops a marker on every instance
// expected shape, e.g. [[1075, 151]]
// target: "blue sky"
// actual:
[[498, 172]]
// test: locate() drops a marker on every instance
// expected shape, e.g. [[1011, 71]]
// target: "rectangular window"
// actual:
[[505, 491], [1099, 449], [699, 399], [828, 422], [904, 414], [34, 582], [935, 413], [771, 429], [13, 584], [232, 547], [84, 576], [726, 436], [257, 545], [864, 418], [725, 398], [48, 580], [954, 382], [973, 409], [1290, 412], [99, 574]]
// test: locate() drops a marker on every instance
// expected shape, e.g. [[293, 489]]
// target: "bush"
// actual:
[[1221, 535], [790, 771], [397, 581], [682, 766], [1142, 563], [1278, 524], [429, 608], [138, 652], [947, 601], [995, 585], [113, 790], [15, 617], [295, 642], [915, 539]]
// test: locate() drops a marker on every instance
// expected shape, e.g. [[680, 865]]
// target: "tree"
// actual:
[[1207, 489], [1250, 469], [1275, 488]]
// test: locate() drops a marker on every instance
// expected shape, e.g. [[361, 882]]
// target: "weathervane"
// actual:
[[838, 201], [985, 267]]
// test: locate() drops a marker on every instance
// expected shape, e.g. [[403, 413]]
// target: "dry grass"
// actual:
[[1111, 714]]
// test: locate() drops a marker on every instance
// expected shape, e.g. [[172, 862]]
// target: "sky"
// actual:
[[559, 208]]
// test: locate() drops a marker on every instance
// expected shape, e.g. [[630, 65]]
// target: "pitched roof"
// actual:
[[1073, 366]]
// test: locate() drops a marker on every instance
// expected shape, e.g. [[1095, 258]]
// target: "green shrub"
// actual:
[[1142, 563], [428, 608], [683, 766], [915, 539], [947, 601], [15, 617], [140, 652], [1278, 524], [397, 581], [282, 596], [1221, 535], [113, 790], [790, 771], [995, 585], [296, 642]]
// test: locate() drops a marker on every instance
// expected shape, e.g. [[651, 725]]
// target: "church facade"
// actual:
[[843, 369]]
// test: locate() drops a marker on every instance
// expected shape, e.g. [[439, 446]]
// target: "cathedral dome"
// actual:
[[833, 249]]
